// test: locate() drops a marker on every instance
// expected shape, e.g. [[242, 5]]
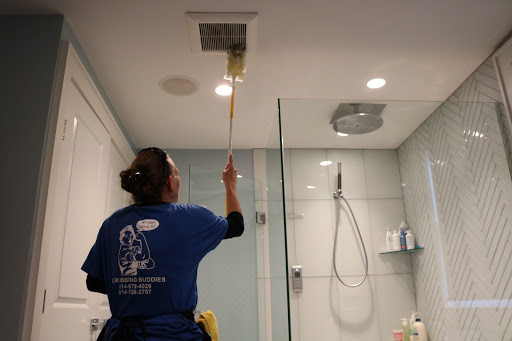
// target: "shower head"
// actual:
[[357, 118]]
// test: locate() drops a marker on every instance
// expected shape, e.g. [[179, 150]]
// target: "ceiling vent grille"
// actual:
[[215, 33], [220, 37]]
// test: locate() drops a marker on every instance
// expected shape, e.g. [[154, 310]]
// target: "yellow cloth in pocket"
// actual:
[[209, 323]]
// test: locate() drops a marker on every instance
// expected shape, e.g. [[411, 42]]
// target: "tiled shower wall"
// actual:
[[458, 200], [325, 309]]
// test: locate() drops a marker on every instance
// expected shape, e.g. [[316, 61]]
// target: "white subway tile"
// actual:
[[382, 174], [309, 178], [314, 237], [350, 259], [319, 315], [352, 172], [358, 310]]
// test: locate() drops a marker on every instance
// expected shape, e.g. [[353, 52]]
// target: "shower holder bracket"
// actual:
[[261, 218]]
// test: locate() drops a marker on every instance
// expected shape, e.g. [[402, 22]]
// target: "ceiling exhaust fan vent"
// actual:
[[220, 37], [215, 33]]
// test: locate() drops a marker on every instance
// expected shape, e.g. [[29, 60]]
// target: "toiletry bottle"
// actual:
[[406, 329], [404, 226], [389, 240], [409, 238], [411, 321], [403, 241], [398, 335], [396, 241], [418, 330]]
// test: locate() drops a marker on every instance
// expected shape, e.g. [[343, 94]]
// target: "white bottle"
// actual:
[[396, 241], [403, 225], [418, 330], [409, 237], [389, 240]]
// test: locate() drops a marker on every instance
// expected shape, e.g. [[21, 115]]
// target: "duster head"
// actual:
[[236, 63]]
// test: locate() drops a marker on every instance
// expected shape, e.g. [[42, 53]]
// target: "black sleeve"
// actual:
[[96, 285], [235, 225]]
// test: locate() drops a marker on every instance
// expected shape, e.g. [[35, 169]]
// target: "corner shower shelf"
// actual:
[[406, 251]]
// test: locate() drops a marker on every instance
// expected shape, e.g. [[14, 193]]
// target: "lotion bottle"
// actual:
[[396, 241], [418, 329], [389, 240]]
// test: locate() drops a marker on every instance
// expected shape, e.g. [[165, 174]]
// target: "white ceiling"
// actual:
[[304, 50]]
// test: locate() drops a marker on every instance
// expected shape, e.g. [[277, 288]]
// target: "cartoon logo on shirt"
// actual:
[[134, 252]]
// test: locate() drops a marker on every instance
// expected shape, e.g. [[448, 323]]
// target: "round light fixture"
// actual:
[[223, 90], [376, 83], [179, 85]]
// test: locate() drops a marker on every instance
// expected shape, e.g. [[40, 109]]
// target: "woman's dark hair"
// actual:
[[146, 177]]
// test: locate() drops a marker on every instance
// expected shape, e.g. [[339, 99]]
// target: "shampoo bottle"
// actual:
[[389, 240], [409, 238], [418, 330], [396, 241]]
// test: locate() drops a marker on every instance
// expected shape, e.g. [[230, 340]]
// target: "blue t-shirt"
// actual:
[[148, 257]]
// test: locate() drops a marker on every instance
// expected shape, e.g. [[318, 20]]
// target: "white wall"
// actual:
[[327, 310]]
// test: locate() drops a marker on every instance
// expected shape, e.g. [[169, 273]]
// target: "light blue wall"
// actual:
[[211, 159], [227, 278], [29, 52]]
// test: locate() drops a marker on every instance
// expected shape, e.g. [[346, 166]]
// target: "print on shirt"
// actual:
[[133, 252]]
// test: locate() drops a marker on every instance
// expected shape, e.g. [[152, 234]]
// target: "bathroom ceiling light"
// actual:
[[341, 134], [239, 176], [325, 163], [311, 187], [223, 90], [376, 83]]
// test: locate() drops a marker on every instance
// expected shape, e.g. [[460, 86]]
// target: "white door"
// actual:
[[75, 211], [117, 197]]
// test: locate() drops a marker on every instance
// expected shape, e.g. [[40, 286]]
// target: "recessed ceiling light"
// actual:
[[376, 83], [223, 90], [239, 176], [342, 134], [326, 163], [311, 187]]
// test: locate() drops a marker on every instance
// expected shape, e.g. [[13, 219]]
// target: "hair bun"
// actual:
[[131, 178]]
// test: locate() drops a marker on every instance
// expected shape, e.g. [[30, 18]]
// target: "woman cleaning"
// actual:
[[146, 255]]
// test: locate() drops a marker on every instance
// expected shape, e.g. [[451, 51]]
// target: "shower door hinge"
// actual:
[[260, 217]]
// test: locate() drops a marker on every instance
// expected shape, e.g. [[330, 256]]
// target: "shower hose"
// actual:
[[336, 240]]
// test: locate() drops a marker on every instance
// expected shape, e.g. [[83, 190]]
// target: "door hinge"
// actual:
[[64, 130], [44, 299]]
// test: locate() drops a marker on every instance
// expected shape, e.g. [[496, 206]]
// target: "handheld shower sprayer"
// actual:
[[338, 196], [338, 193]]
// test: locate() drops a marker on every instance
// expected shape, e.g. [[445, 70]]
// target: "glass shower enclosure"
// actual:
[[228, 277]]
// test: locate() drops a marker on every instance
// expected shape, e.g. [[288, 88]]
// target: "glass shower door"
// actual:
[[228, 276]]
